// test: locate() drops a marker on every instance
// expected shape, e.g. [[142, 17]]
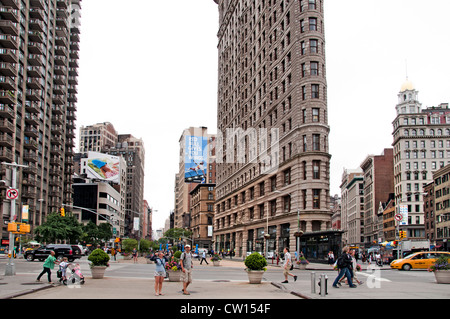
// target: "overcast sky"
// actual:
[[150, 68]]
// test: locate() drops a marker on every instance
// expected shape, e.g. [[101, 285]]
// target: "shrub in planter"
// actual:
[[98, 258], [255, 262], [256, 265]]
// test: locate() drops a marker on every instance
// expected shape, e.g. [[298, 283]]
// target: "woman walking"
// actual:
[[160, 273], [48, 265]]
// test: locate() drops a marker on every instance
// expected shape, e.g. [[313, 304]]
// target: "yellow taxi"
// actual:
[[420, 260]]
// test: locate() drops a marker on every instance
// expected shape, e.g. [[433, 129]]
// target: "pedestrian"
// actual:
[[134, 253], [49, 264], [344, 263], [287, 265], [331, 258], [63, 269], [113, 253], [204, 257], [186, 268], [160, 273]]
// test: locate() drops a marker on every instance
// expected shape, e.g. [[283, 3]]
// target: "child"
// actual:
[[63, 268]]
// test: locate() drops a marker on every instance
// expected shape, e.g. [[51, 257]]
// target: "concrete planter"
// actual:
[[442, 276], [255, 276], [302, 266], [216, 263], [174, 276], [98, 272]]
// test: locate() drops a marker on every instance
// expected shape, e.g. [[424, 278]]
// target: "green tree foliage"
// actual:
[[176, 233], [57, 228], [128, 244]]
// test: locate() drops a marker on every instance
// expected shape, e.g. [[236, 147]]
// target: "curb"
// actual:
[[26, 292]]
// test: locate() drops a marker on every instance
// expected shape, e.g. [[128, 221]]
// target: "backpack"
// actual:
[[341, 262]]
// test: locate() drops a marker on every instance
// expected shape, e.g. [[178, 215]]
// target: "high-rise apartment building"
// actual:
[[38, 94], [272, 145], [421, 147]]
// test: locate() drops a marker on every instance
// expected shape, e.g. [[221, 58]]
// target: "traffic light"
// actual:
[[63, 213], [402, 234]]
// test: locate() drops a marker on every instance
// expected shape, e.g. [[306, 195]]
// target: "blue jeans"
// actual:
[[343, 272]]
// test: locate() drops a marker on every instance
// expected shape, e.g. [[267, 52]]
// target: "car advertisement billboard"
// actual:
[[195, 159]]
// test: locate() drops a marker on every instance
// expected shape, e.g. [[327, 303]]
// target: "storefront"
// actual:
[[315, 246]]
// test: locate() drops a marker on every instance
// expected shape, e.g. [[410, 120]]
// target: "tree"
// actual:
[[59, 228], [176, 233]]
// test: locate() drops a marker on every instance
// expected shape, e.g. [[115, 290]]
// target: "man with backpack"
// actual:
[[186, 268], [344, 264]]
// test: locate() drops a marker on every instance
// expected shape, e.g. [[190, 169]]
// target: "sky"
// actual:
[[150, 68]]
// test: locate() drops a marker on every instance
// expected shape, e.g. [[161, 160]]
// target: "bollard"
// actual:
[[323, 285], [313, 282]]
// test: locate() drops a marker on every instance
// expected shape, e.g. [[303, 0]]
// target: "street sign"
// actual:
[[398, 217], [12, 193]]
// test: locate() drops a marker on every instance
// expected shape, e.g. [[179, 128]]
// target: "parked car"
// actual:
[[72, 252], [421, 260]]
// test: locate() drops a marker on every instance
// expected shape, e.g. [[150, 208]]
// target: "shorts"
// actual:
[[160, 274], [187, 275], [286, 271]]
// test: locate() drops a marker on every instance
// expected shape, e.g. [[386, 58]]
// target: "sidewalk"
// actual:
[[375, 286]]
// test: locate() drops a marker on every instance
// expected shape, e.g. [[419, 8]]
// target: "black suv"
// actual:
[[72, 252]]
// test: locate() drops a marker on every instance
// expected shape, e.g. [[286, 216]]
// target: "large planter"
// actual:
[[174, 275], [98, 272], [216, 263], [302, 266], [255, 276], [442, 276]]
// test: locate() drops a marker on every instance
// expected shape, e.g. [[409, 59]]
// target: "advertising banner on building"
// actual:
[[103, 166], [195, 159], [404, 214]]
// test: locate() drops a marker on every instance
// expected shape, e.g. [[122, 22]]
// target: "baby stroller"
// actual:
[[75, 277]]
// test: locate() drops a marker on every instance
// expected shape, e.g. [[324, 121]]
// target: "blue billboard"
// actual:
[[195, 159]]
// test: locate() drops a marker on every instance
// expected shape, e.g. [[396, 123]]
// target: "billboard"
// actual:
[[103, 166], [195, 159]]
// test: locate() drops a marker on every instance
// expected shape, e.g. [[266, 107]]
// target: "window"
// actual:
[[315, 115], [314, 68], [287, 176], [312, 4], [315, 91], [312, 24], [316, 169], [316, 198], [314, 46], [316, 142], [287, 203]]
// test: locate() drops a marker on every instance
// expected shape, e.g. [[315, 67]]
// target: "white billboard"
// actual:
[[103, 166]]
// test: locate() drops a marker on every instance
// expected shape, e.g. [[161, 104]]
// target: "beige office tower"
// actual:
[[39, 44], [273, 162]]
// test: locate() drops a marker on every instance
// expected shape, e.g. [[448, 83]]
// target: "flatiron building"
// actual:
[[272, 147]]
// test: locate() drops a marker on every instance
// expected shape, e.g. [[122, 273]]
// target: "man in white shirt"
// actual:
[[287, 265]]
